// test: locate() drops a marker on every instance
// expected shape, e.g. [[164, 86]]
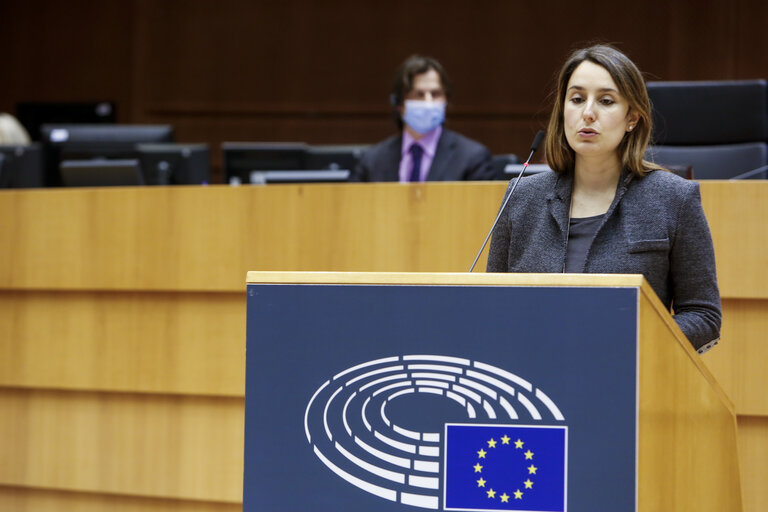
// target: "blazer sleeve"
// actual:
[[693, 277]]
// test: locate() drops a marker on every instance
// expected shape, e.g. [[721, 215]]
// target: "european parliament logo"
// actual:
[[501, 444]]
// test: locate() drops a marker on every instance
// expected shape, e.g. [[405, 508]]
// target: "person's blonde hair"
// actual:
[[629, 80], [11, 131]]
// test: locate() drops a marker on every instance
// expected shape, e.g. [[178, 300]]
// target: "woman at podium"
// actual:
[[606, 209]]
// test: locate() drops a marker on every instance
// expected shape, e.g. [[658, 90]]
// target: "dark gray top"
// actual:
[[655, 227], [580, 235]]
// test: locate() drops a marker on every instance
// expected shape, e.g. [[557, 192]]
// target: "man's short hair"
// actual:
[[403, 82]]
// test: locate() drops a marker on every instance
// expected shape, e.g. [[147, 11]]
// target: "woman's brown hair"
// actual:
[[631, 85]]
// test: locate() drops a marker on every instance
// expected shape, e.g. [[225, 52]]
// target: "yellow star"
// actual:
[[529, 455], [518, 444], [478, 468], [532, 469], [504, 498], [481, 453], [518, 494], [481, 482], [491, 493], [492, 443], [505, 439], [528, 484]]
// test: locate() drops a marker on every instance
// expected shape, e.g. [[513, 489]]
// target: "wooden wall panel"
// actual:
[[173, 343], [737, 213], [236, 69], [753, 455], [146, 445], [743, 352], [24, 499]]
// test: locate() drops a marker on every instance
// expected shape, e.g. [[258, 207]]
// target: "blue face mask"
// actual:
[[424, 116]]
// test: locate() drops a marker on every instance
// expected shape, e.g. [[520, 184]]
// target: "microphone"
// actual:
[[534, 146], [749, 174]]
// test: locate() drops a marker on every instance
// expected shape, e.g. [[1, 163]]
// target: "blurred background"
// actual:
[[320, 72]]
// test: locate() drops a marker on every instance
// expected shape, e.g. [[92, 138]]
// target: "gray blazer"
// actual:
[[655, 227], [456, 158]]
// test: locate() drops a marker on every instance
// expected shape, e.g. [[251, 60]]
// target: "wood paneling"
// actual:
[[24, 499], [738, 218], [170, 343], [753, 456], [214, 65], [739, 361], [145, 445], [687, 425]]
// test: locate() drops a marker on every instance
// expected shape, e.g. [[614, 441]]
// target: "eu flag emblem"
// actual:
[[505, 467]]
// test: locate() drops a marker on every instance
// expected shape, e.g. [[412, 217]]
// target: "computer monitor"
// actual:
[[86, 142], [175, 164], [22, 166], [101, 173], [334, 157], [245, 162], [307, 176], [34, 114]]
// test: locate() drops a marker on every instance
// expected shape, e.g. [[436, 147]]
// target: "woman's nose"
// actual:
[[589, 112]]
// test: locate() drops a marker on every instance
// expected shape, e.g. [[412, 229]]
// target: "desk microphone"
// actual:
[[534, 146]]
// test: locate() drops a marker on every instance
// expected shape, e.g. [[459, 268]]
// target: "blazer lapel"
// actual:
[[446, 147]]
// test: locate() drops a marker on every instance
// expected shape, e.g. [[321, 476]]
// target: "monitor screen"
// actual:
[[84, 142], [101, 173], [175, 164], [34, 114], [334, 157], [22, 166], [308, 176], [244, 162]]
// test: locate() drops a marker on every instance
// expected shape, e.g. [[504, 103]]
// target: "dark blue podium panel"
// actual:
[[400, 398]]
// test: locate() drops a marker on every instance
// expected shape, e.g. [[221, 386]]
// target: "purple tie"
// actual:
[[416, 153]]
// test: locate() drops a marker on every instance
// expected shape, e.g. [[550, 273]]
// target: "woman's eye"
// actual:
[[607, 101], [576, 99]]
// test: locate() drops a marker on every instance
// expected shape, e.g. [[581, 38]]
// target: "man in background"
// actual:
[[424, 150]]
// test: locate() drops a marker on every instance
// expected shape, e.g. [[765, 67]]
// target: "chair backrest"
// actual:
[[500, 162], [709, 112], [717, 162]]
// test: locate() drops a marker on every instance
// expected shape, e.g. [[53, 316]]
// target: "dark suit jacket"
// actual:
[[456, 158]]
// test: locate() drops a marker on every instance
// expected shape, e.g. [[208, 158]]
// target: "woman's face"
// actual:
[[596, 116]]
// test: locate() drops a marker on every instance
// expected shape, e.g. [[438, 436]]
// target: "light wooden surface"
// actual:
[[140, 293], [148, 342], [447, 278], [207, 238], [132, 444], [740, 361], [16, 499], [687, 426]]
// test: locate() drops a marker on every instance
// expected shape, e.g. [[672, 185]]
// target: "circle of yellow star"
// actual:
[[528, 484], [532, 469], [519, 444], [492, 443], [481, 482], [518, 494], [478, 468], [504, 498], [491, 493], [505, 439], [481, 453], [529, 455]]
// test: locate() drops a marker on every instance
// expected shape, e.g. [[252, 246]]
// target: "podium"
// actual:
[[418, 391]]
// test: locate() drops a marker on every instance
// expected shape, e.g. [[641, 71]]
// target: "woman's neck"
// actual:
[[594, 186]]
